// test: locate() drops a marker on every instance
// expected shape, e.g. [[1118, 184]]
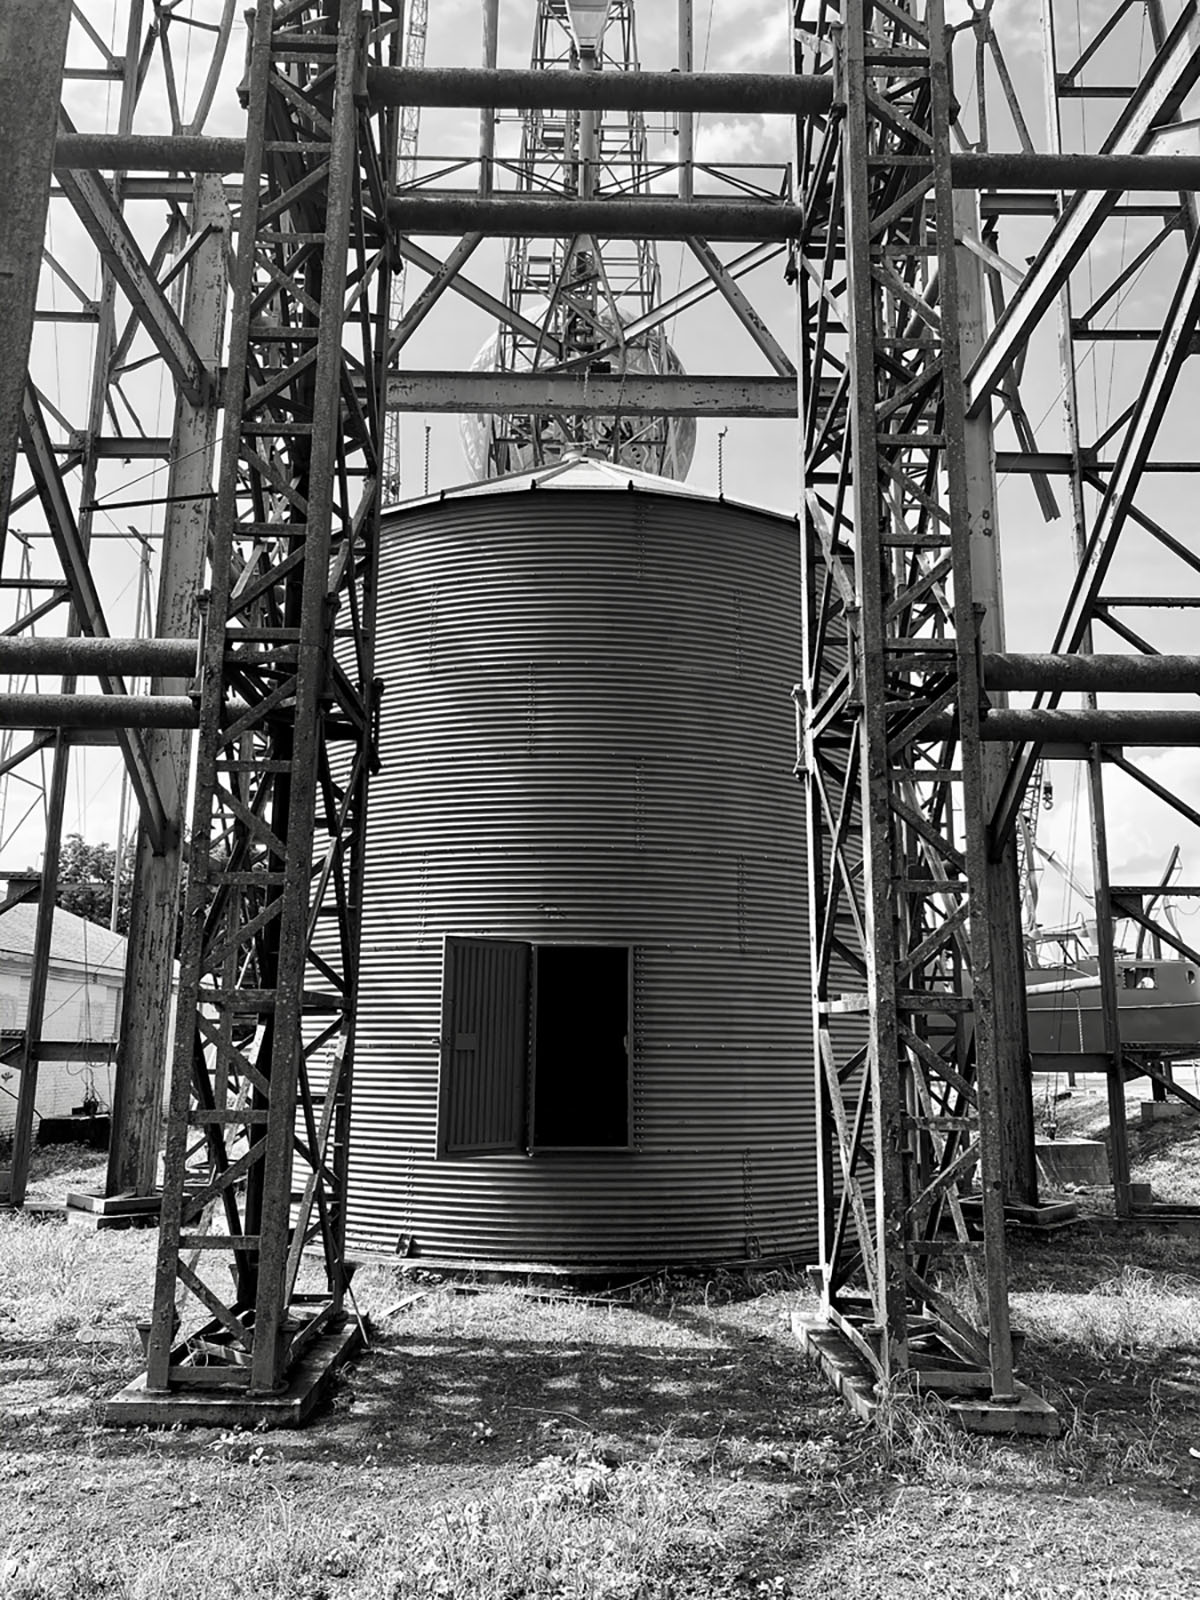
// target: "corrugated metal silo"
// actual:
[[584, 1023]]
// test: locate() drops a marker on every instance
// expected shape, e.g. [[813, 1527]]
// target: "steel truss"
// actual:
[[1122, 521], [257, 1128], [157, 310], [577, 294], [914, 768], [896, 810], [913, 795]]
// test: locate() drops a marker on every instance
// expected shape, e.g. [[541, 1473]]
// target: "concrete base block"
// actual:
[[1164, 1110], [1029, 1414], [136, 1406], [1081, 1161]]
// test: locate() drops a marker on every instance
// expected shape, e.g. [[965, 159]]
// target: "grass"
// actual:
[[666, 1441]]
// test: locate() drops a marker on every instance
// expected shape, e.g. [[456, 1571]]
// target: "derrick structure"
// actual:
[[576, 295], [914, 765], [128, 309], [896, 802], [257, 1127], [408, 132], [915, 768]]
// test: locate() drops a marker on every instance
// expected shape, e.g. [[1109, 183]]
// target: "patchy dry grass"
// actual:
[[500, 1443]]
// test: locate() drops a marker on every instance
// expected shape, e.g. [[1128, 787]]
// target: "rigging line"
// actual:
[[151, 472]]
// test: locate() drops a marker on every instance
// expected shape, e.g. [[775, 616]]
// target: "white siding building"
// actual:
[[83, 1006]]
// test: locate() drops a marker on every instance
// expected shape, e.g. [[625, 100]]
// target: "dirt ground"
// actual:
[[665, 1440]]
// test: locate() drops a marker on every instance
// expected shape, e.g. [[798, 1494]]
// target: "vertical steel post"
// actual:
[[687, 120], [869, 646], [487, 115], [312, 668], [1003, 891], [150, 955], [33, 47]]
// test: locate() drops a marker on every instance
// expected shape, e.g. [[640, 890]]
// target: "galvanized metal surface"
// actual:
[[588, 736]]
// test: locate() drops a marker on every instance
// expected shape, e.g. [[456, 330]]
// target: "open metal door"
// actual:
[[484, 1047]]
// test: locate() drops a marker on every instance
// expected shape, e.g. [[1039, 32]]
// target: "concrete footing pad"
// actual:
[[135, 1406], [851, 1375]]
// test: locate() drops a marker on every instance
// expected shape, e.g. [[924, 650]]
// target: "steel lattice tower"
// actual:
[[913, 405], [580, 300]]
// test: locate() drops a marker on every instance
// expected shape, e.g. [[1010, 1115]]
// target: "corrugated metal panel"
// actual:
[[588, 736], [485, 1024]]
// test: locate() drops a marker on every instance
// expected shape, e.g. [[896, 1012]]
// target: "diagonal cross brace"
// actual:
[[101, 217], [1159, 97], [85, 597]]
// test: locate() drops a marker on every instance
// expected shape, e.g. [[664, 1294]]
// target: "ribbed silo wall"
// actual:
[[588, 736]]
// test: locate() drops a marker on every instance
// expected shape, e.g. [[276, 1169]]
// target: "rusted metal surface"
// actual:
[[1103, 172], [587, 739], [259, 1100], [1129, 673], [143, 1046], [897, 853], [630, 394], [508, 215], [751, 93], [1106, 726], [118, 711], [148, 152], [1025, 170], [83, 655], [33, 44]]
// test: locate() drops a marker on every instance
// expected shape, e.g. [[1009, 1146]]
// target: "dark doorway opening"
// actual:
[[581, 1045]]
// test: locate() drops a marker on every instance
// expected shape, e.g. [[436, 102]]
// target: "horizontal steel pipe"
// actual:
[[520, 216], [160, 658], [1019, 170], [1091, 726], [148, 152], [96, 711], [1130, 674], [154, 152], [751, 93], [584, 393]]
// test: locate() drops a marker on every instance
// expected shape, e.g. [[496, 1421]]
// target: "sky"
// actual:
[[759, 459]]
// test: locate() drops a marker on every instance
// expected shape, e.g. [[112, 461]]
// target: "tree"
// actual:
[[85, 880]]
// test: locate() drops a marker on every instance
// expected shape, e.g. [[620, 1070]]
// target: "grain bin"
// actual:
[[584, 1032]]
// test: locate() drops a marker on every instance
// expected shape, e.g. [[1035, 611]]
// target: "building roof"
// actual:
[[74, 940], [575, 472]]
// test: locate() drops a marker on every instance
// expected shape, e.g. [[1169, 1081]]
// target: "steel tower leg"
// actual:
[[149, 971], [901, 904], [256, 1140]]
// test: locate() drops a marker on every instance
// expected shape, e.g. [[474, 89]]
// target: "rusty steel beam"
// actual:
[[101, 216], [1094, 171], [33, 44], [464, 211], [1089, 726], [748, 93], [82, 655], [1025, 170], [1130, 674], [97, 711], [585, 393], [147, 152], [137, 1093]]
